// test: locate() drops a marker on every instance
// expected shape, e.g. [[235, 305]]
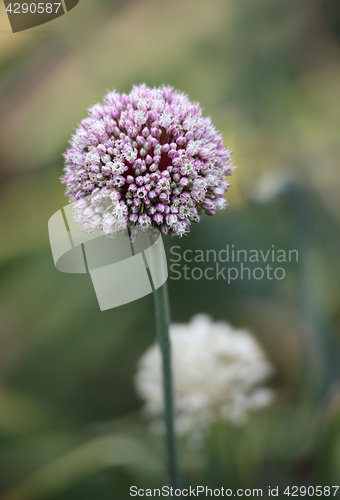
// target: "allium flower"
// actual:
[[218, 372], [145, 159]]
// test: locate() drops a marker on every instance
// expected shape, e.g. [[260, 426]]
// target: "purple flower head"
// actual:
[[148, 152]]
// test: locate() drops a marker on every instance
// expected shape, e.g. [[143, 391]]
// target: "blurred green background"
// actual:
[[268, 73]]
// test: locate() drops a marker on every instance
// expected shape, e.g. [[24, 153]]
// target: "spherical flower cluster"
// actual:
[[146, 159], [217, 370]]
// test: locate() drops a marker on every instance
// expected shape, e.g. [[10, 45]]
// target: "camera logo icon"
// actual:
[[121, 270]]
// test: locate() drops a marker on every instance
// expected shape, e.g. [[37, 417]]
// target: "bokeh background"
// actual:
[[268, 73]]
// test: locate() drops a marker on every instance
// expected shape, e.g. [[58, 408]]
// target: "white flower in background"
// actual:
[[217, 370]]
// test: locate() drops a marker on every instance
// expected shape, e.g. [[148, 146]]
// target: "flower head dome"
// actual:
[[146, 159], [218, 374]]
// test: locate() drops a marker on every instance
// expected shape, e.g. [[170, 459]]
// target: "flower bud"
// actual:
[[158, 218], [160, 207], [164, 197], [183, 182], [106, 170]]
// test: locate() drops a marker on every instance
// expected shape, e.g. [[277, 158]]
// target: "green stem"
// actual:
[[162, 311]]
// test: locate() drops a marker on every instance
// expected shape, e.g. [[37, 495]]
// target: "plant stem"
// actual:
[[162, 311]]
